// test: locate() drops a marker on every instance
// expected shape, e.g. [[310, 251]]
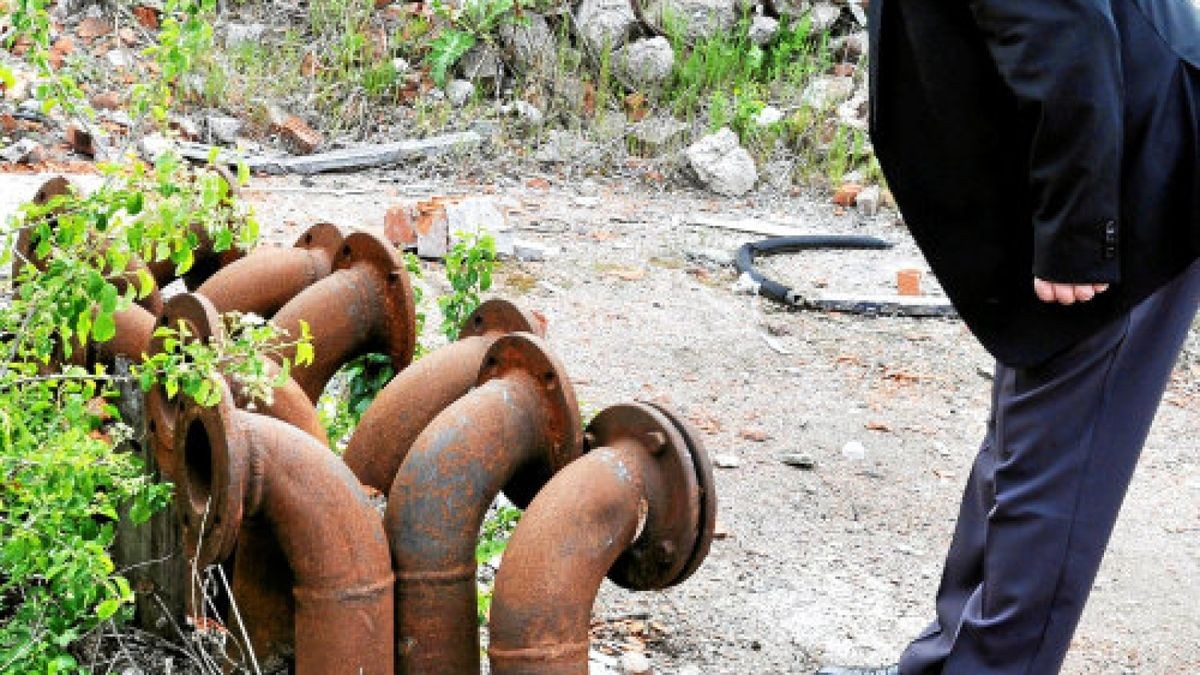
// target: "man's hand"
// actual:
[[1066, 294]]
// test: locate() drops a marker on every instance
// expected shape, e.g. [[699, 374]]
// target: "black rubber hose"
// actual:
[[773, 290]]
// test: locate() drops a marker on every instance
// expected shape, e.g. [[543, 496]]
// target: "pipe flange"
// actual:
[[197, 313], [499, 317], [23, 248], [367, 250], [325, 237], [708, 491], [212, 481], [673, 531], [528, 354]]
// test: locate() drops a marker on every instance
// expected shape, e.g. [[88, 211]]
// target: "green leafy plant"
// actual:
[[493, 540], [469, 266]]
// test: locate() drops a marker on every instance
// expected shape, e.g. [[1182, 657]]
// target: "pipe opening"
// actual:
[[490, 362], [198, 467], [308, 238], [346, 250], [549, 380]]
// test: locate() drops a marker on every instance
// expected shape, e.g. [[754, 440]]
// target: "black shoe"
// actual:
[[843, 670]]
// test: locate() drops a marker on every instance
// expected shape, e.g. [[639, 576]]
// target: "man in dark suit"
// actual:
[[1045, 155]]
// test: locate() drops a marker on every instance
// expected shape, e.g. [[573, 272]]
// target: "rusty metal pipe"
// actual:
[[288, 402], [135, 326], [639, 508], [366, 305], [418, 393], [513, 431], [266, 279], [241, 468]]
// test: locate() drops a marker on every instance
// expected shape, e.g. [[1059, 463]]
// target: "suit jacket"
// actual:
[[1056, 138]]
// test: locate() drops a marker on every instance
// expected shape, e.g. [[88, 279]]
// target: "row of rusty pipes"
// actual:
[[318, 576]]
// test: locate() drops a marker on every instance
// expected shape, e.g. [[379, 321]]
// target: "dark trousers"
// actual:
[[1062, 443]]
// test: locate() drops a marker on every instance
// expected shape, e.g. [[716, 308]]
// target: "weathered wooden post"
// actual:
[[150, 555]]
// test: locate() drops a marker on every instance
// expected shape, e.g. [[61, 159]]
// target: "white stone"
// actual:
[[827, 91], [823, 16], [725, 460], [237, 34], [854, 451], [868, 200], [768, 116], [532, 251], [722, 164], [223, 128], [120, 58], [605, 24], [635, 663], [459, 92], [645, 63], [762, 29]]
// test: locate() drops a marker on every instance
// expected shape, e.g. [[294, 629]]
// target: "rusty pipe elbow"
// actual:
[[288, 402], [519, 426], [242, 468], [418, 393], [640, 509], [366, 305], [266, 279]]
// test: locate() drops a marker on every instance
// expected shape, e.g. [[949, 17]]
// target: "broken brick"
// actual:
[[398, 225], [847, 194], [147, 16], [908, 282], [107, 100], [303, 139], [81, 141]]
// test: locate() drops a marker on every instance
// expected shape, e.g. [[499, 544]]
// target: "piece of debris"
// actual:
[[222, 129], [798, 460], [532, 251], [763, 29], [658, 135], [846, 194], [827, 92], [635, 663], [883, 305], [725, 460], [93, 27], [754, 434], [908, 282], [869, 200], [854, 451], [710, 257], [300, 138], [24, 151], [722, 164], [775, 344], [81, 141], [348, 159], [107, 100]]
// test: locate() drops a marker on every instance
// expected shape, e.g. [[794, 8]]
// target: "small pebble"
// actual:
[[798, 460], [725, 460], [854, 451]]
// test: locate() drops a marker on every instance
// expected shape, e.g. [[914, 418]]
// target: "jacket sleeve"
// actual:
[[1061, 58]]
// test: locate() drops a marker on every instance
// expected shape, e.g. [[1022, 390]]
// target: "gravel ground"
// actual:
[[838, 562]]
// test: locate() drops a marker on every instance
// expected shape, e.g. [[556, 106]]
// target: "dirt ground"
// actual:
[[834, 563]]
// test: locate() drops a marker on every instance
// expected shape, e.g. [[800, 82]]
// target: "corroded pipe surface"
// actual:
[[419, 392], [135, 326], [513, 431], [244, 468], [269, 277], [366, 305], [639, 508], [288, 403]]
